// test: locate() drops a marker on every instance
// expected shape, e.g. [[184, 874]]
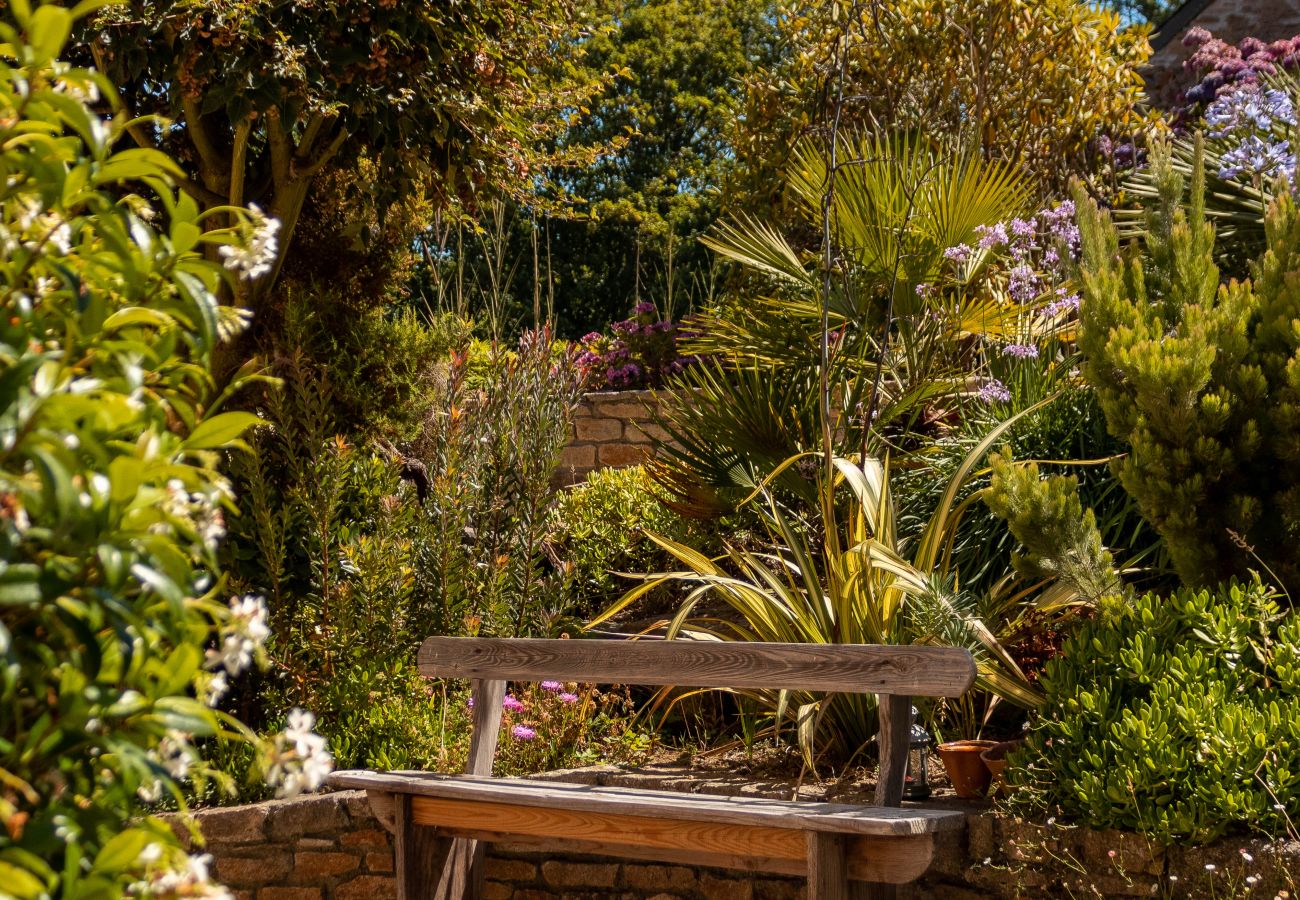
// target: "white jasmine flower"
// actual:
[[298, 760], [259, 248], [242, 637]]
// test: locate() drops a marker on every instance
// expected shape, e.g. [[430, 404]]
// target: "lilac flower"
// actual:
[[553, 687], [958, 254], [512, 704], [991, 236], [566, 697], [994, 391], [523, 733], [1021, 351]]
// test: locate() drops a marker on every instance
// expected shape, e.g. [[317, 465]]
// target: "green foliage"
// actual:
[[845, 578], [1060, 538], [1201, 380], [898, 204], [111, 505], [1030, 82], [1177, 717], [557, 726], [358, 567], [266, 95], [601, 527]]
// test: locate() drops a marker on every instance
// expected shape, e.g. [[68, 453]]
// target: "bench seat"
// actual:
[[884, 845]]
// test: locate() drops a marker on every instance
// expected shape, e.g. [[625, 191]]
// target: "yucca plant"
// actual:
[[847, 579]]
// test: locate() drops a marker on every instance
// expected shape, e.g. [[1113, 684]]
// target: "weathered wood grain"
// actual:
[[839, 668], [419, 856], [804, 816], [869, 859], [894, 736], [828, 866]]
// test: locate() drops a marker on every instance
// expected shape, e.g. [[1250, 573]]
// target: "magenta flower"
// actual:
[[566, 697], [523, 733], [511, 704], [553, 686]]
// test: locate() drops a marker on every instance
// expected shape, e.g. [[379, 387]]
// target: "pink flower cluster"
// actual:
[[641, 351]]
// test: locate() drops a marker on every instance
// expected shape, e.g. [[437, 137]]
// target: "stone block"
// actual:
[[253, 871], [625, 409], [780, 889], [723, 888], [495, 890], [367, 887], [646, 433], [289, 893], [510, 869], [316, 844], [358, 807], [369, 838], [292, 819], [578, 457], [659, 878], [599, 430], [580, 875], [617, 455], [379, 862], [313, 865], [234, 825]]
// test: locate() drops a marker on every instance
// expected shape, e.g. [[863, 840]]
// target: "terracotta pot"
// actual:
[[995, 757], [966, 771]]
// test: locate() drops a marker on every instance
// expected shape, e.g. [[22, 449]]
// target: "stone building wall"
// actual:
[[610, 430], [331, 847]]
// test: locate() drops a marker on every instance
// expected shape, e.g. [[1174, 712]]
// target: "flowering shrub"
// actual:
[[554, 725], [641, 353], [111, 505], [1223, 68]]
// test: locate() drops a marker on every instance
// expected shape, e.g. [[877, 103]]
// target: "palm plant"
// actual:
[[850, 578], [898, 204]]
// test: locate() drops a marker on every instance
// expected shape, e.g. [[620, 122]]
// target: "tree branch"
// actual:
[[277, 136], [311, 167], [213, 161], [238, 160]]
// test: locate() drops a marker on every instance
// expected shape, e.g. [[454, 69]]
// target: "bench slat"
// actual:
[[836, 668], [804, 816], [893, 860]]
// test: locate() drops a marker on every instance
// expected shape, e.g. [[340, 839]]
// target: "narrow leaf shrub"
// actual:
[[1178, 718]]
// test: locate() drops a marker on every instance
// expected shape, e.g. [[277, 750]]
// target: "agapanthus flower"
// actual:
[[1255, 157]]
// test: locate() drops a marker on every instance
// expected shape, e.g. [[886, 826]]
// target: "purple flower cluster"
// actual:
[[1221, 66], [1063, 304], [640, 352], [1255, 123], [993, 391], [1021, 351]]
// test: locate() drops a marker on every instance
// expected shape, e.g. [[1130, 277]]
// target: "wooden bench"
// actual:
[[441, 822]]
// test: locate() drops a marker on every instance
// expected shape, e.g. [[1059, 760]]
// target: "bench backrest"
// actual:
[[895, 673], [835, 668]]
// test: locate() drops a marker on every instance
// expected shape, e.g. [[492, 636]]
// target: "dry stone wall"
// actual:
[[610, 430], [331, 847]]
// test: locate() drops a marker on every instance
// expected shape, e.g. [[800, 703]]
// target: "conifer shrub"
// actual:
[[1200, 379]]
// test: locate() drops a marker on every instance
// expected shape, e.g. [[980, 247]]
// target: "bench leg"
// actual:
[[421, 857], [828, 868]]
